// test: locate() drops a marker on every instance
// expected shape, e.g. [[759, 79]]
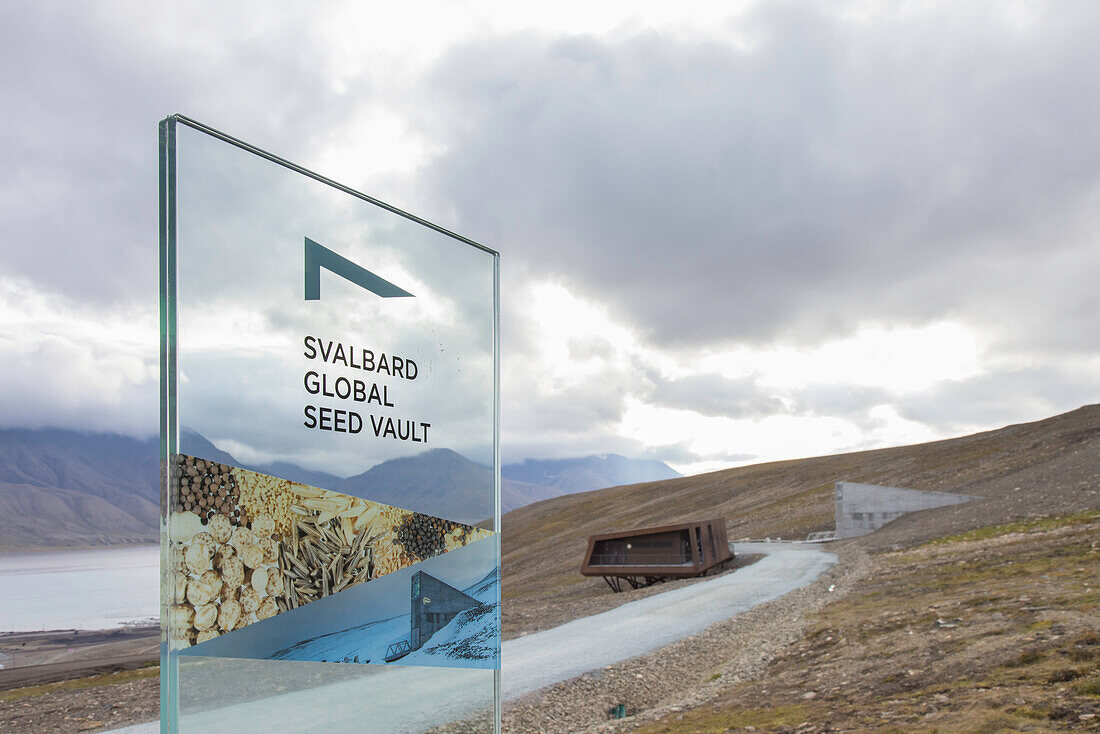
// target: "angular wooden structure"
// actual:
[[647, 556]]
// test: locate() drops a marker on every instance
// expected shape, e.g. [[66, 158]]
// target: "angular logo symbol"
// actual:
[[318, 256]]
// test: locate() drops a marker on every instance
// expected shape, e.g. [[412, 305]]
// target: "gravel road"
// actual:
[[537, 660], [636, 628]]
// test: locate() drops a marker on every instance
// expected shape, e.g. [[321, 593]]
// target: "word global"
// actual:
[[344, 389], [348, 421]]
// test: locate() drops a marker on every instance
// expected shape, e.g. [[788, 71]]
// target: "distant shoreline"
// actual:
[[7, 551], [145, 625], [31, 658]]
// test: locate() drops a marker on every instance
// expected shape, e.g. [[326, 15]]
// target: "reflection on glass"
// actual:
[[329, 401]]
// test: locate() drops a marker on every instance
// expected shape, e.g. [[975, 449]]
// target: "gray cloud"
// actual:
[[679, 453], [848, 401], [85, 85], [998, 399], [592, 407], [715, 395], [837, 171]]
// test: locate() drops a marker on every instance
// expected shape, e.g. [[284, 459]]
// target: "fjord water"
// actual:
[[79, 589]]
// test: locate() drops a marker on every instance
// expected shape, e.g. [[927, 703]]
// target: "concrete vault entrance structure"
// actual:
[[434, 605], [864, 508]]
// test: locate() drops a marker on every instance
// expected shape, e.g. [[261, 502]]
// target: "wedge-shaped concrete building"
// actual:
[[433, 605], [864, 508]]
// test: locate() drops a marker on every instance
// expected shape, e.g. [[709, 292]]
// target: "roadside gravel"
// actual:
[[643, 626], [685, 673], [691, 671]]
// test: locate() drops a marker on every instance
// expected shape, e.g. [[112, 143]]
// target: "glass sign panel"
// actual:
[[330, 509]]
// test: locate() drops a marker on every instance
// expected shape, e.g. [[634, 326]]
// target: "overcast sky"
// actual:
[[772, 230]]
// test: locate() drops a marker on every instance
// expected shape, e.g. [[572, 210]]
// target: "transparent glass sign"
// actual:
[[330, 510]]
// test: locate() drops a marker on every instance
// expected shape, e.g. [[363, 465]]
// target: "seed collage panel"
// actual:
[[247, 546]]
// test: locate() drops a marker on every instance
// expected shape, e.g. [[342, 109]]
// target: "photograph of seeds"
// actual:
[[336, 541], [207, 489], [247, 546], [225, 575]]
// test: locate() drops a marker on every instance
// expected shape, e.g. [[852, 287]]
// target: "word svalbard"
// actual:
[[360, 358]]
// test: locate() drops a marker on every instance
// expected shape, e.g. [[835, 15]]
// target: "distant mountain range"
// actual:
[[62, 488], [569, 476]]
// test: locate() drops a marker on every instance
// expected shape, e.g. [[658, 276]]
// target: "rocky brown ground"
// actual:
[[990, 631], [85, 704], [736, 649], [30, 658]]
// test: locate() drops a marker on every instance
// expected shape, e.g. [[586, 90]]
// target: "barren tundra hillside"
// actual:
[[1046, 467], [976, 617], [66, 488]]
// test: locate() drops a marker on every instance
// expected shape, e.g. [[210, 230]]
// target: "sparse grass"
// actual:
[[1089, 686], [975, 719], [1029, 657], [978, 633], [150, 670], [1081, 656], [1087, 639], [708, 721], [1020, 526], [1030, 713], [1064, 675]]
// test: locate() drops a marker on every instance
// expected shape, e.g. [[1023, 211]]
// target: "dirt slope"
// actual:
[[995, 630], [1046, 467]]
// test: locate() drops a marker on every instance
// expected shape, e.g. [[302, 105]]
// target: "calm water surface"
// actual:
[[85, 589]]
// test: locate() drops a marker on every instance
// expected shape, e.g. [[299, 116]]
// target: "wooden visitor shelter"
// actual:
[[646, 556]]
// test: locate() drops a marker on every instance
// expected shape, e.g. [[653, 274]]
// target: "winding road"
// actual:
[[640, 627]]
